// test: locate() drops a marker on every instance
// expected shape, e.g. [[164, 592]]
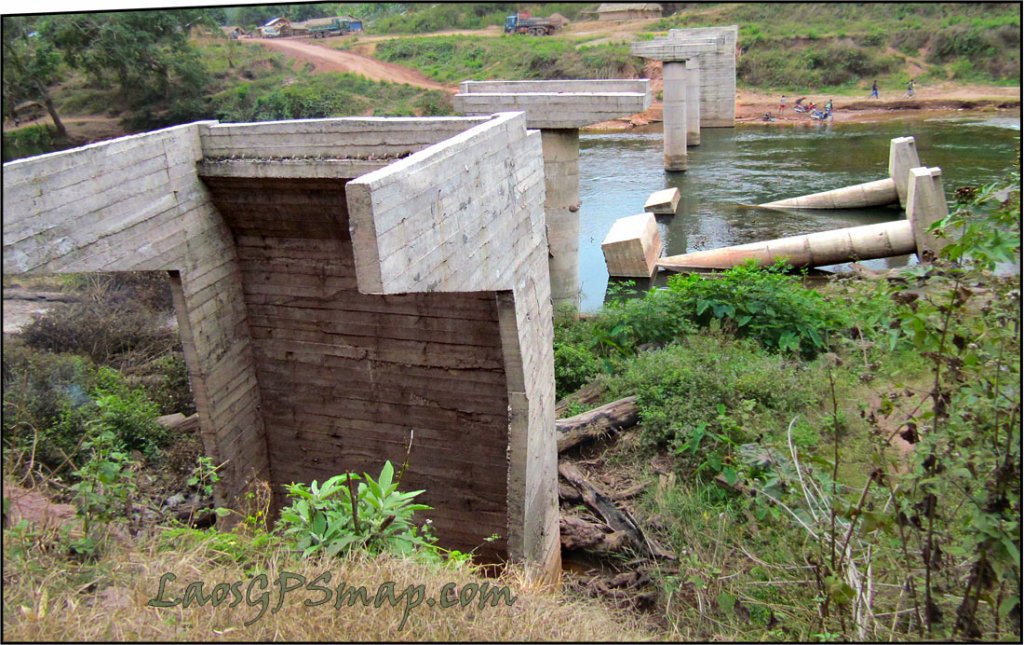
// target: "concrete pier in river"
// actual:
[[341, 285], [558, 109], [699, 73]]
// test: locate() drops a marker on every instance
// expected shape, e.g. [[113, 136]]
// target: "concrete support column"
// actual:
[[693, 102], [561, 209], [926, 204], [902, 157], [674, 119]]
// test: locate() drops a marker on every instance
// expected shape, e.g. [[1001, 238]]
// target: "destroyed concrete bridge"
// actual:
[[340, 284]]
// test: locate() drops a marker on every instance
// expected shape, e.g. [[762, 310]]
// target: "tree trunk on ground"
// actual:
[[597, 423]]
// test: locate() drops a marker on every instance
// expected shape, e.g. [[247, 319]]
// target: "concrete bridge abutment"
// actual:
[[340, 285]]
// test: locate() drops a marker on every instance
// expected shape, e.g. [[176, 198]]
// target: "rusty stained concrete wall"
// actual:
[[338, 283]]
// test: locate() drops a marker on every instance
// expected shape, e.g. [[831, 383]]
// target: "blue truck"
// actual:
[[522, 23]]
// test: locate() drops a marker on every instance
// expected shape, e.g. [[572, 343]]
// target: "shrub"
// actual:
[[104, 332], [714, 386], [53, 404], [765, 304], [575, 366]]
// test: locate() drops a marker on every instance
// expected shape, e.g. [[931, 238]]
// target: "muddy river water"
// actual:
[[734, 168]]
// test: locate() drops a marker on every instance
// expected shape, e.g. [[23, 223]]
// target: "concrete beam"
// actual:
[[555, 105], [558, 109]]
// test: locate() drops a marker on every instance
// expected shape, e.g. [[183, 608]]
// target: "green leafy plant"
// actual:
[[106, 488], [765, 304], [348, 513]]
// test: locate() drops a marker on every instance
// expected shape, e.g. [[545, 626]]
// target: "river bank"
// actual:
[[751, 105]]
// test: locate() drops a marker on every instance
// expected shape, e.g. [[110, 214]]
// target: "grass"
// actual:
[[450, 59], [51, 597]]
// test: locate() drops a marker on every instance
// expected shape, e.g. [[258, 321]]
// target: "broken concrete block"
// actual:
[[632, 246], [663, 202]]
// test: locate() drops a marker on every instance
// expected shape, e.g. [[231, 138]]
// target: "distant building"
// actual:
[[233, 31], [277, 27], [628, 11]]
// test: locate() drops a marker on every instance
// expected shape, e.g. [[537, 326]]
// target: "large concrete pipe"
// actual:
[[883, 192], [815, 249], [926, 204], [873, 193]]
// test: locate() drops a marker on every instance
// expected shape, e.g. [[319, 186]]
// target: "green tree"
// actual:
[[30, 65], [147, 53]]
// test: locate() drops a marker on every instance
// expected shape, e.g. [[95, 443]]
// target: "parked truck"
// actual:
[[523, 23], [337, 27]]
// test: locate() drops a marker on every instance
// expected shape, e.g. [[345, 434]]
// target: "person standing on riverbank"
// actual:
[[874, 90], [782, 103], [910, 89]]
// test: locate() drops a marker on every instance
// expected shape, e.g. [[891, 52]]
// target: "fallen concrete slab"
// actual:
[[632, 246], [663, 202]]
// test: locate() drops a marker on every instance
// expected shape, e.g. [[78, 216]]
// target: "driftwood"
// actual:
[[578, 534], [597, 423], [570, 495], [179, 422], [617, 519], [591, 393]]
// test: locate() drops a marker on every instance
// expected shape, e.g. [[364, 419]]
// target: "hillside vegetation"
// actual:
[[783, 46]]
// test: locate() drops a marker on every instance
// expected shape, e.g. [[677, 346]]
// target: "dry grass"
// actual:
[[50, 598]]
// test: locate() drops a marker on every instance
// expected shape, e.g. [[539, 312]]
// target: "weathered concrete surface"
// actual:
[[816, 249], [561, 210], [556, 105], [873, 193], [674, 119], [558, 109], [663, 202], [902, 157], [715, 50], [926, 205], [339, 284], [632, 246], [693, 102]]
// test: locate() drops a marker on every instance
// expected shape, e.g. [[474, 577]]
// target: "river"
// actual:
[[734, 168]]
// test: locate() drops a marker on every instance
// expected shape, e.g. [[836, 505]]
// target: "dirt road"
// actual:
[[325, 59]]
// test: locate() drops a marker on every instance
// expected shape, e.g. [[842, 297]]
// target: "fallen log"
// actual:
[[597, 423], [580, 535], [588, 394], [616, 518]]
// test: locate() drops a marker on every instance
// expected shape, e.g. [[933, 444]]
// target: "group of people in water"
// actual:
[[799, 107]]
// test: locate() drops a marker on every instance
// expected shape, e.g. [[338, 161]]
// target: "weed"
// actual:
[[342, 515]]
